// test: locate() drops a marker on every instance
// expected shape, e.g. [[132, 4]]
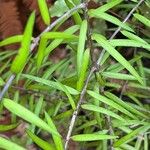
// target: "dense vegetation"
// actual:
[[83, 82]]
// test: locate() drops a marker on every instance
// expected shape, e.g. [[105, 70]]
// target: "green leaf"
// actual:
[[51, 84], [21, 59], [56, 42], [1, 81], [11, 40], [41, 143], [101, 110], [109, 18], [142, 19], [72, 103], [57, 140], [110, 103], [84, 67], [123, 104], [114, 53], [76, 15], [27, 115], [133, 37], [81, 45], [44, 39], [7, 145], [119, 76], [44, 11], [4, 128], [132, 134], [129, 43], [92, 137], [108, 6]]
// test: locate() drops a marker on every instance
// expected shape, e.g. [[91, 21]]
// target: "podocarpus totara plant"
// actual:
[[96, 96]]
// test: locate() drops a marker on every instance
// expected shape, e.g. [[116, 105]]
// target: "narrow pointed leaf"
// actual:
[[92, 137], [110, 103], [94, 108], [11, 40], [57, 140], [142, 19], [7, 145], [44, 11], [114, 53], [27, 115], [41, 143], [81, 45]]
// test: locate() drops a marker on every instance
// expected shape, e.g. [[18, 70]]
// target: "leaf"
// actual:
[[76, 15], [56, 42], [108, 6], [142, 19], [27, 115], [119, 76], [11, 40], [7, 145], [114, 53], [51, 84], [44, 11], [59, 8], [41, 143], [109, 18], [44, 39], [57, 140], [131, 135], [84, 68], [133, 37], [4, 128], [129, 43], [110, 103], [94, 108], [72, 103], [125, 105], [81, 45], [1, 81], [92, 137], [20, 60]]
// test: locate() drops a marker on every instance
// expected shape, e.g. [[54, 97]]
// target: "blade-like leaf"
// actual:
[[76, 15], [11, 40], [129, 43], [133, 36], [131, 135], [51, 84], [81, 45], [20, 60], [142, 19], [7, 145], [44, 11], [101, 110], [110, 103], [108, 6], [125, 105], [92, 137], [109, 18], [27, 115], [4, 128], [57, 140], [41, 143], [114, 53], [82, 76]]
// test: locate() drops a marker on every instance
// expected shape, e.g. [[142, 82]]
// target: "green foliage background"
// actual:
[[114, 110]]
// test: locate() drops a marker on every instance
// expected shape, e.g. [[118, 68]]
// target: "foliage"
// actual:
[[109, 106]]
